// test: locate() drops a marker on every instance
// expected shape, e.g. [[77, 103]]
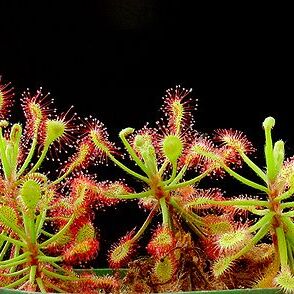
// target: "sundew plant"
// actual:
[[49, 198], [161, 157], [273, 208], [46, 222]]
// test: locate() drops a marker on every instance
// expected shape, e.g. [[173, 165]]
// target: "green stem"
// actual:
[[31, 152], [55, 218], [162, 168], [131, 151], [4, 249], [257, 237], [290, 243], [290, 227], [173, 175], [287, 205], [282, 246], [40, 160], [15, 254], [12, 156], [253, 166], [145, 224], [263, 221], [243, 202], [233, 173], [290, 255], [47, 233], [33, 274], [59, 276], [14, 274], [41, 285], [39, 222], [196, 230], [14, 259], [11, 240], [245, 180], [193, 220], [54, 287], [131, 195], [45, 258], [290, 239], [289, 213], [126, 169], [17, 282], [150, 163], [260, 212], [5, 163], [25, 224], [165, 212], [58, 180], [29, 224], [180, 174], [269, 156], [285, 195], [187, 183], [8, 265], [196, 218], [61, 269], [59, 234]]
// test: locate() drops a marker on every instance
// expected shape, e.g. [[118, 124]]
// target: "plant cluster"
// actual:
[[163, 155], [197, 236], [273, 208], [46, 225]]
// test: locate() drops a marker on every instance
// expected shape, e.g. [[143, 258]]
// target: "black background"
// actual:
[[114, 59]]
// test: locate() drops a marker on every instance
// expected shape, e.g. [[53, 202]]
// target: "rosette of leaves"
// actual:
[[162, 157], [273, 208], [46, 226]]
